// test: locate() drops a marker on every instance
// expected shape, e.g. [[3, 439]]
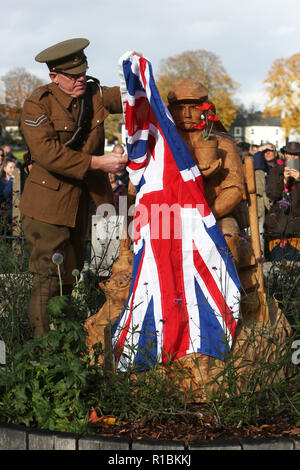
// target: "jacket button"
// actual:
[[66, 127], [98, 121], [43, 182]]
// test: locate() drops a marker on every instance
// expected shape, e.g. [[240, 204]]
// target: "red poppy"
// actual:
[[213, 118], [205, 106], [200, 126]]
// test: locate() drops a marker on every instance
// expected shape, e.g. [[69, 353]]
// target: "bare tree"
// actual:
[[19, 84]]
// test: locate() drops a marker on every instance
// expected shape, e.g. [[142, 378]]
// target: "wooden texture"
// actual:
[[195, 372]]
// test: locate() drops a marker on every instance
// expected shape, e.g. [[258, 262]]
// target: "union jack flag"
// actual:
[[185, 292]]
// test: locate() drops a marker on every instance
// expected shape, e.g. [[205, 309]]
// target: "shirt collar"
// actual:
[[61, 96]]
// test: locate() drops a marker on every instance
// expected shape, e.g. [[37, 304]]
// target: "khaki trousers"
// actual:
[[44, 240]]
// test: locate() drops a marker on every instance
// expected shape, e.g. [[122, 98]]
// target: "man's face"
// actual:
[[186, 114], [269, 155], [73, 85]]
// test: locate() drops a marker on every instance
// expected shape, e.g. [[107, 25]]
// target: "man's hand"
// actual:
[[290, 173], [136, 53], [264, 147], [110, 162]]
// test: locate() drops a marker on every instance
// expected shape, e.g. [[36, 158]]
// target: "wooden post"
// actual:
[[253, 217], [255, 238]]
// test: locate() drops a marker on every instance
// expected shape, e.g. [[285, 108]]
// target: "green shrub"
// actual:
[[51, 383]]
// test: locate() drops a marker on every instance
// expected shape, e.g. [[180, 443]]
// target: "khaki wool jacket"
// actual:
[[59, 174]]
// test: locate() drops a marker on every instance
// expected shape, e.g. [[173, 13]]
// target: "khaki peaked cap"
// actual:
[[66, 56]]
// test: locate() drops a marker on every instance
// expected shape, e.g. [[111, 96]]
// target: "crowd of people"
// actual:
[[277, 176], [8, 163]]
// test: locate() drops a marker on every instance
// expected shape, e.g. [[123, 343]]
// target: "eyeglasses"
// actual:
[[73, 77]]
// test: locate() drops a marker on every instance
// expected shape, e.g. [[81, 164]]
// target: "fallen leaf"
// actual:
[[107, 420], [93, 416], [103, 420]]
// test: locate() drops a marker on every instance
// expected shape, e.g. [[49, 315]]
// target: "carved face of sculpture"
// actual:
[[186, 114], [183, 98]]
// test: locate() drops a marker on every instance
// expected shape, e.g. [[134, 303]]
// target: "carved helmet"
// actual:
[[187, 89]]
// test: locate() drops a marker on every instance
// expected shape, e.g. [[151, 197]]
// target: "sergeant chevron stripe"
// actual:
[[37, 122]]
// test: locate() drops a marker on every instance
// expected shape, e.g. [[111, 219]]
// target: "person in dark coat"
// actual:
[[6, 183], [282, 223], [6, 195]]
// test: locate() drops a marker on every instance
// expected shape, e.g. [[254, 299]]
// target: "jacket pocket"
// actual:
[[43, 178], [62, 124]]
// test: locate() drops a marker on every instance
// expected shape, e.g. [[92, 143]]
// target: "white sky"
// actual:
[[247, 36]]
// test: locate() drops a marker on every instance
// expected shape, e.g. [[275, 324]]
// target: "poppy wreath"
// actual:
[[208, 118]]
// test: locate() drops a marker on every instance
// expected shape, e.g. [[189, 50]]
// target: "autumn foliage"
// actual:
[[207, 68], [283, 88]]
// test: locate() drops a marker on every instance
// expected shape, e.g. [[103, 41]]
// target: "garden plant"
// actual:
[[52, 382]]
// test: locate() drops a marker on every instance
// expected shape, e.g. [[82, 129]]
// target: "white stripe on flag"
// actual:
[[132, 98], [188, 278], [190, 173], [139, 135]]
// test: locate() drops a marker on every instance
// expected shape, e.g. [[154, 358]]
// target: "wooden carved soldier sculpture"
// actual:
[[217, 158], [225, 191], [230, 192], [222, 171]]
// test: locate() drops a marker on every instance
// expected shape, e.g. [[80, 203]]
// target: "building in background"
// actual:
[[256, 129]]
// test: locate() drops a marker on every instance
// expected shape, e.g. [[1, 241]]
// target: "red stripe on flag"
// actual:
[[143, 66], [137, 116], [137, 166], [176, 332], [214, 291]]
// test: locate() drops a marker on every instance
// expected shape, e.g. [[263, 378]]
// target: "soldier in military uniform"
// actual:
[[63, 125]]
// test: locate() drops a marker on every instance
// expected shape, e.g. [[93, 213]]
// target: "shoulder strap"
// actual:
[[84, 119]]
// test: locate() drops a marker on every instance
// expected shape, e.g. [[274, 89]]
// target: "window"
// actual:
[[237, 131]]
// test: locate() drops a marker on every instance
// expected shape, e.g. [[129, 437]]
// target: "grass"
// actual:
[[51, 383], [19, 154]]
